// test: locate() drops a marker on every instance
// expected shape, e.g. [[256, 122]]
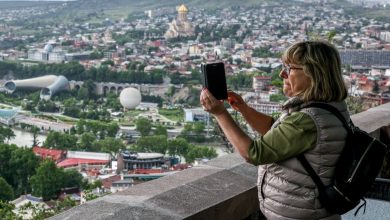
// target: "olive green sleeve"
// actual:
[[296, 134]]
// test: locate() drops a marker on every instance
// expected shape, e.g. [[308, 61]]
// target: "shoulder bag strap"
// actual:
[[333, 110], [312, 173]]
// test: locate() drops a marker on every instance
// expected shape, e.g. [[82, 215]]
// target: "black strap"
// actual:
[[311, 172], [362, 205], [333, 110]]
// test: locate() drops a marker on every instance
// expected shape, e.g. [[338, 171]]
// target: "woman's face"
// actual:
[[294, 79]]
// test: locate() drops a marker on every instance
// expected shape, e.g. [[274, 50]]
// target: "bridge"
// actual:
[[102, 88]]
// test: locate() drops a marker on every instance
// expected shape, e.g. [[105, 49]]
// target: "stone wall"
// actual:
[[224, 188]]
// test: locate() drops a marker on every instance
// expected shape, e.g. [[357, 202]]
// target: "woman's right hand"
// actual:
[[236, 101]]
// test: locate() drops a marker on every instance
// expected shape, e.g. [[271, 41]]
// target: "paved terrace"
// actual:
[[225, 188]]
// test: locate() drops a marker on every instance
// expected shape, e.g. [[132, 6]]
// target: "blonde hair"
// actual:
[[321, 63]]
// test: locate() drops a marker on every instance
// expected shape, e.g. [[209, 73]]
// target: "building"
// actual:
[[385, 36], [228, 43], [8, 116], [78, 56], [195, 114], [365, 58], [180, 27], [260, 83], [121, 185], [267, 107], [85, 160], [133, 160], [52, 154], [47, 54], [49, 85]]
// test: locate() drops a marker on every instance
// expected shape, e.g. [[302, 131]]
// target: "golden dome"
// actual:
[[182, 8]]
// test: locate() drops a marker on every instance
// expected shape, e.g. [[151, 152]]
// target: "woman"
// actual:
[[311, 73]]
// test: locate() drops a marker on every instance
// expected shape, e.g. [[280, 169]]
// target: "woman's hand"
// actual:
[[211, 104], [236, 101]]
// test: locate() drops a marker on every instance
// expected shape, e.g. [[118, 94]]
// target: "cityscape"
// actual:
[[92, 103]]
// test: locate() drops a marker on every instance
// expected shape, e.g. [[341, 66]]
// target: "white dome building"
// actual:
[[130, 98], [48, 48]]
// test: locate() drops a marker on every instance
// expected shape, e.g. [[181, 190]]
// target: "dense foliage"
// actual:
[[75, 71], [17, 165]]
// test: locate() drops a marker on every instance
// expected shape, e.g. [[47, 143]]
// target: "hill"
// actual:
[[116, 9], [82, 11]]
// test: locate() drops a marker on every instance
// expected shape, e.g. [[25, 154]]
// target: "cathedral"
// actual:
[[180, 27]]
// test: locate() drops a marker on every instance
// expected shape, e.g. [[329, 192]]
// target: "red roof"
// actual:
[[107, 182], [263, 77], [71, 162], [48, 153]]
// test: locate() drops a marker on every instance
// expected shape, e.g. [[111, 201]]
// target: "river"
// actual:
[[24, 138]]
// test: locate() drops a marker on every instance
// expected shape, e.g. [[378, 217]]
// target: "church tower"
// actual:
[[182, 13]]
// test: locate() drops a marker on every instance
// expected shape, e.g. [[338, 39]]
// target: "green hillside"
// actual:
[[82, 11], [115, 9]]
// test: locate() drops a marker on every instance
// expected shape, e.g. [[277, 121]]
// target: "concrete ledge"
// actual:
[[373, 119], [225, 188]]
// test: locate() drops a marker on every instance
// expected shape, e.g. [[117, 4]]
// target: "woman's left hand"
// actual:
[[210, 103]]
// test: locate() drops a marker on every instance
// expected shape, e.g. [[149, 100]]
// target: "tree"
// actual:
[[35, 130], [193, 132], [86, 141], [199, 152], [157, 143], [65, 204], [178, 146], [330, 35], [6, 133], [171, 91], [60, 141], [376, 89], [88, 195], [6, 212], [24, 163], [6, 170], [161, 130], [198, 127], [90, 85], [83, 94], [6, 191], [109, 145], [47, 181], [72, 178], [112, 129], [355, 104], [143, 125], [240, 81], [37, 211], [91, 186]]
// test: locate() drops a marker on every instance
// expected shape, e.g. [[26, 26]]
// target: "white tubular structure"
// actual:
[[50, 84], [59, 85]]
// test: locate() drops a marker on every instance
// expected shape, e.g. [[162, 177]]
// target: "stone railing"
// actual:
[[225, 188]]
